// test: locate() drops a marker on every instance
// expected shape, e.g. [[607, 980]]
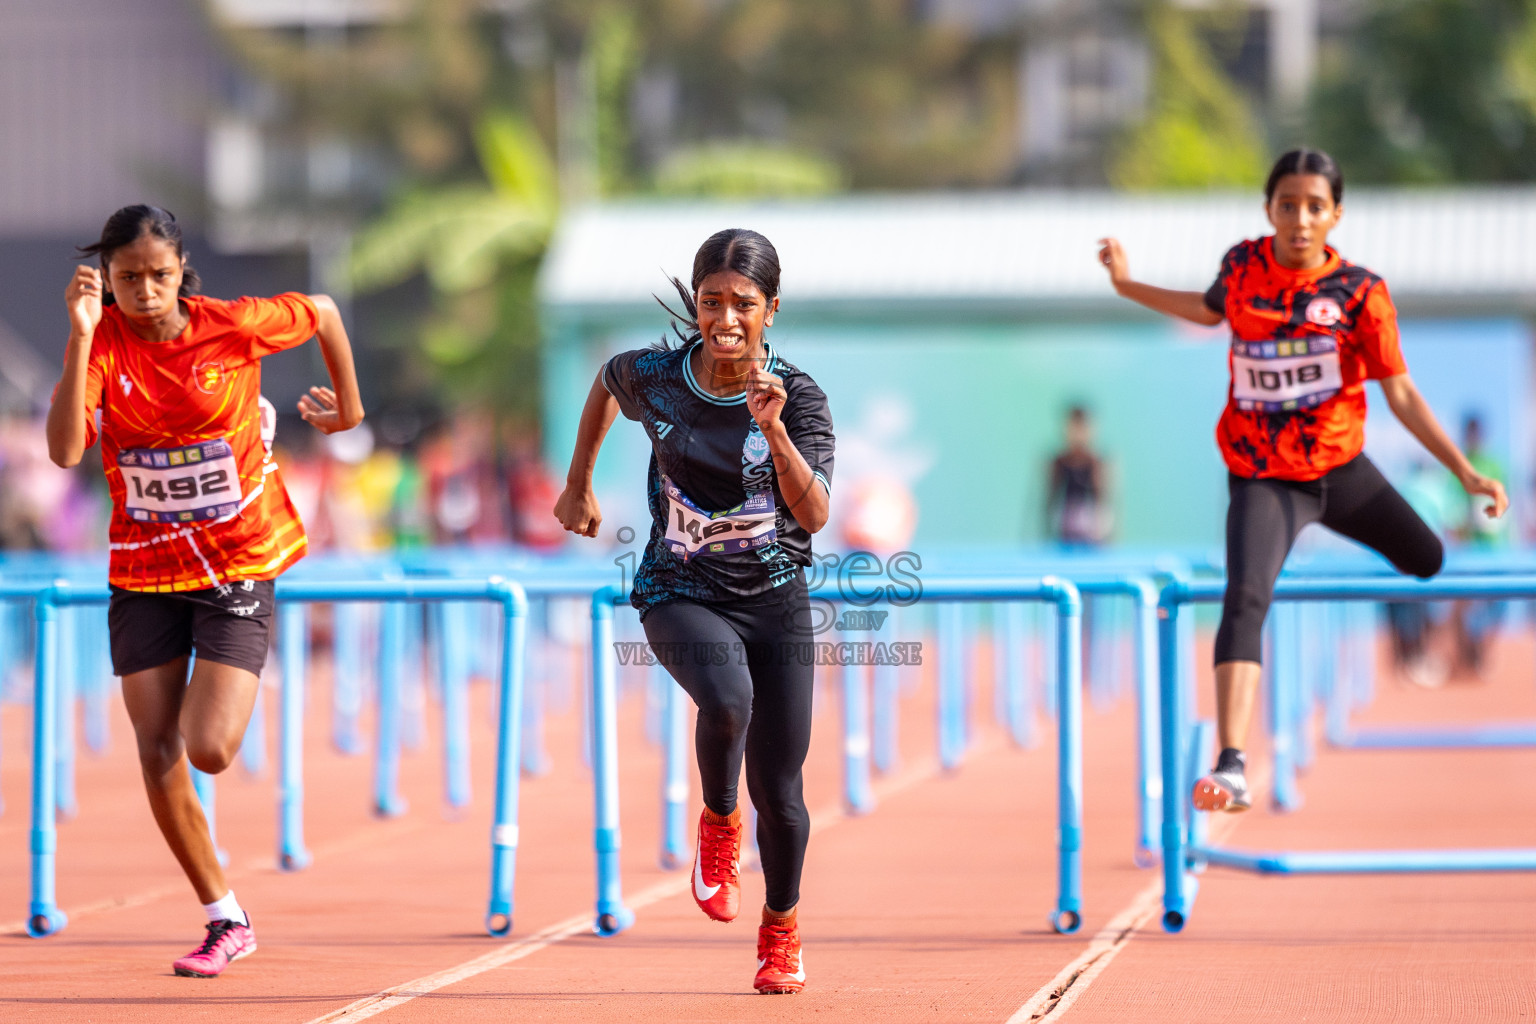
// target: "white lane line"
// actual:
[[398, 995], [1057, 995], [580, 924], [1061, 991]]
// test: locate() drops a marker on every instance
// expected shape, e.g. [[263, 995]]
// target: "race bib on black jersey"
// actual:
[[693, 532], [180, 485], [1285, 375]]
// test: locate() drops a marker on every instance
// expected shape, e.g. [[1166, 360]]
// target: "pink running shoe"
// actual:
[[226, 943]]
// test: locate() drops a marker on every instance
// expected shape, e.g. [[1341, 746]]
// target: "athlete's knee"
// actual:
[[158, 754], [781, 805], [1426, 562], [1239, 637], [1246, 602], [726, 714], [211, 756]]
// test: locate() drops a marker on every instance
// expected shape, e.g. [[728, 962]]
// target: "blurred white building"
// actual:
[[951, 332]]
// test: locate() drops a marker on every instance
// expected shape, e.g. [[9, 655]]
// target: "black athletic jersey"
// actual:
[[711, 452]]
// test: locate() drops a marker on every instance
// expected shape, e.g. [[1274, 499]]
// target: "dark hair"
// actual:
[[1306, 161], [746, 252], [127, 226]]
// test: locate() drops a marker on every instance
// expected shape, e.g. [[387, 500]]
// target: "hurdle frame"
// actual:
[[44, 917], [1182, 851], [613, 916]]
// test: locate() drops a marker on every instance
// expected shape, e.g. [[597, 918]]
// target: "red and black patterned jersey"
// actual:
[[1304, 342]]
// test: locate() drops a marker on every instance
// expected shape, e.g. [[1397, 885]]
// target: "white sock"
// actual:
[[226, 908]]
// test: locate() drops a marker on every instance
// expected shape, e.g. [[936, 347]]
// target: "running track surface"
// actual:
[[932, 908]]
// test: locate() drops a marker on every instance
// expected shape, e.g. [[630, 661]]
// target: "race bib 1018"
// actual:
[[692, 532], [189, 484], [1285, 375]]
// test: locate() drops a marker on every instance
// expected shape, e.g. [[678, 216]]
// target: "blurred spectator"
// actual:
[[459, 468], [354, 494], [1077, 503], [1473, 623], [409, 519], [531, 491], [881, 516], [1412, 623], [41, 505]]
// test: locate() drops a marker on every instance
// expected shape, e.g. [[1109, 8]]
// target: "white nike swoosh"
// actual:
[[701, 891], [798, 975]]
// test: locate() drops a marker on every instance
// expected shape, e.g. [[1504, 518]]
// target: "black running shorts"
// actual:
[[229, 624]]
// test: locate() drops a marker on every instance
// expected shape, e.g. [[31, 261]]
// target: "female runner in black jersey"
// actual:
[[739, 479]]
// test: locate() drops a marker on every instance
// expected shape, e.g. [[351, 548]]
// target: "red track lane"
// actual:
[[932, 908], [1371, 947]]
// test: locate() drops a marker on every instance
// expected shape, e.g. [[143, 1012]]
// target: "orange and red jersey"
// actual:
[[196, 499], [1304, 342]]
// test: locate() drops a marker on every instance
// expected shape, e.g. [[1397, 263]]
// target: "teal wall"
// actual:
[[971, 414]]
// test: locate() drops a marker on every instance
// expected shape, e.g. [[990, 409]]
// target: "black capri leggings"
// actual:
[[1265, 516], [753, 691]]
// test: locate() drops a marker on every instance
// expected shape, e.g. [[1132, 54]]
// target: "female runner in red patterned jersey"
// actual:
[[170, 382], [1308, 330]]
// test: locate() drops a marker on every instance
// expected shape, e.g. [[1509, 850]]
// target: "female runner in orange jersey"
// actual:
[[201, 526], [1308, 330]]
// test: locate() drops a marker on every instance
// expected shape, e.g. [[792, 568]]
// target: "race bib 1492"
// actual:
[[692, 532], [180, 485], [1285, 375]]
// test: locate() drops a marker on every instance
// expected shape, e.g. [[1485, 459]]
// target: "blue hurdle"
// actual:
[[1181, 850], [349, 623], [387, 801], [293, 657], [1149, 785], [674, 780], [612, 914], [885, 714], [1341, 699], [44, 916], [1149, 777], [858, 739]]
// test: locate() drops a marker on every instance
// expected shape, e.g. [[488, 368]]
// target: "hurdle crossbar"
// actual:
[[1179, 852]]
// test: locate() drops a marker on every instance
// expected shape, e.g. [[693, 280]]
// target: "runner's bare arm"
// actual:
[[1185, 305], [340, 406], [67, 414], [1409, 407], [577, 507]]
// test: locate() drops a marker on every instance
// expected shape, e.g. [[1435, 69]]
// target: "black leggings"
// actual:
[[753, 691], [1265, 516]]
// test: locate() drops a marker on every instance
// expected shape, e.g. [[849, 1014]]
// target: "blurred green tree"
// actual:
[[1433, 91], [743, 170], [1199, 131], [476, 120], [479, 246], [878, 93], [455, 186]]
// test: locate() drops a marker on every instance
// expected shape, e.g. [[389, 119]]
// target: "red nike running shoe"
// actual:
[[780, 969], [225, 943], [716, 868]]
